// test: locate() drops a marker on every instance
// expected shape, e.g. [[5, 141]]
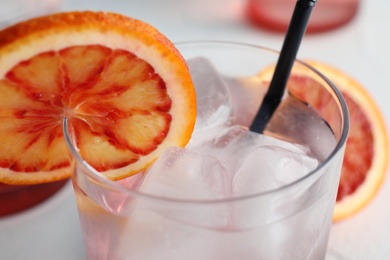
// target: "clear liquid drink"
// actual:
[[230, 193]]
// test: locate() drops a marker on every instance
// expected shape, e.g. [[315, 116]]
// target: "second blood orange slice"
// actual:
[[367, 150], [123, 85]]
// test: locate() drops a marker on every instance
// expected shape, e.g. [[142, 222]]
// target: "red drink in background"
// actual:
[[275, 15], [14, 199]]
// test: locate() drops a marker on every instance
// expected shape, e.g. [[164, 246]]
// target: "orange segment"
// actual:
[[367, 149], [123, 85]]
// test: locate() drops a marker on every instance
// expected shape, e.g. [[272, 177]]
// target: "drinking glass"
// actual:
[[290, 221]]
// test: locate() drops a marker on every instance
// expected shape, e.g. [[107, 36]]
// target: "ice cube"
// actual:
[[183, 174], [268, 164], [215, 141], [247, 94], [270, 167], [212, 96], [296, 119]]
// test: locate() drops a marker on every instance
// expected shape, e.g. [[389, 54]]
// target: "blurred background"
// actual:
[[350, 35]]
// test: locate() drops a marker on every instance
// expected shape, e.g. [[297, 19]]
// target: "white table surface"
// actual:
[[361, 48]]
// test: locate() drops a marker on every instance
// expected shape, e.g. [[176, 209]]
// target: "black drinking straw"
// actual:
[[294, 35]]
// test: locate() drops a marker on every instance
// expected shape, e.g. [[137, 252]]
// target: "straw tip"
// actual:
[[308, 2]]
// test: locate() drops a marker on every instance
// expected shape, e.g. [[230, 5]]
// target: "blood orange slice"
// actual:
[[367, 149], [123, 85]]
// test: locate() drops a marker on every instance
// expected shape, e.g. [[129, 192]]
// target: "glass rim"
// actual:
[[104, 181]]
